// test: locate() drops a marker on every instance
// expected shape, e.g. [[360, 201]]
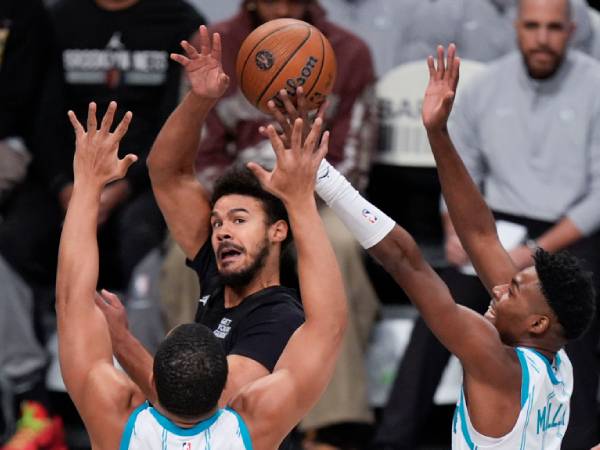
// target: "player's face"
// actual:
[[279, 9], [543, 30], [239, 238], [514, 306]]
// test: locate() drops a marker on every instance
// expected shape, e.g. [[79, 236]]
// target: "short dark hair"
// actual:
[[569, 290], [190, 371], [239, 180]]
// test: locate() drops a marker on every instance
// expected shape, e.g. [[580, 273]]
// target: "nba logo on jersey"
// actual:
[[186, 446]]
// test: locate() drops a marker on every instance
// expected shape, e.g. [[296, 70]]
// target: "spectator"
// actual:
[[527, 131], [24, 50]]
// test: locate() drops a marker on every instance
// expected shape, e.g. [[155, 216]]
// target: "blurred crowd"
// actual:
[[526, 124]]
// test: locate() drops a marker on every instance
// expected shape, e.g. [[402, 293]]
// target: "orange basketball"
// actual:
[[286, 54]]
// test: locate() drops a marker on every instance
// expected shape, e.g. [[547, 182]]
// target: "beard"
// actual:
[[544, 74], [245, 275]]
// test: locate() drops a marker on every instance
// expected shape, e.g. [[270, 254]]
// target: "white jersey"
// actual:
[[545, 395], [147, 429]]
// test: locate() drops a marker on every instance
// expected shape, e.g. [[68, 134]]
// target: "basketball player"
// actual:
[[190, 367], [517, 380]]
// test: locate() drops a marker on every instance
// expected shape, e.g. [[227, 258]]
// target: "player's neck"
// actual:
[[545, 348], [184, 423], [267, 277]]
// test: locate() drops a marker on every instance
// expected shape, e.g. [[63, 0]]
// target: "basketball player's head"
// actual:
[[544, 28], [190, 371], [265, 10], [553, 301], [249, 227]]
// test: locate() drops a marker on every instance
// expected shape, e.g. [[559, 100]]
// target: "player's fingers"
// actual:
[[323, 148], [123, 125], [455, 73], [259, 172], [279, 117], [216, 46], [111, 298], [288, 105], [276, 142], [431, 66], [91, 118], [79, 131], [109, 115], [101, 303], [296, 141], [189, 50], [311, 140], [302, 104], [440, 62], [450, 59], [323, 110], [204, 41], [184, 61], [126, 162]]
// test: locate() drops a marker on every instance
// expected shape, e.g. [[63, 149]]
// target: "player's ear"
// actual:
[[538, 324], [278, 231]]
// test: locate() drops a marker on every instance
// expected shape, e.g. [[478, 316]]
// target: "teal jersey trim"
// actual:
[[463, 422], [524, 377], [243, 429], [177, 430], [129, 426], [549, 368]]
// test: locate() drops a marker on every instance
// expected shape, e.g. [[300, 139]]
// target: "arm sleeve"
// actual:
[[585, 214], [353, 128], [265, 332]]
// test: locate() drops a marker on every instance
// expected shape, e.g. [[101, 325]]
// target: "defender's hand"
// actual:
[[286, 119], [204, 70], [114, 312], [294, 174], [439, 95], [96, 151]]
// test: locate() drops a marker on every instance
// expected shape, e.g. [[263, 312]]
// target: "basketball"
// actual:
[[286, 54]]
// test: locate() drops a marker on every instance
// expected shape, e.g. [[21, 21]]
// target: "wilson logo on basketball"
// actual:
[[264, 60], [292, 84]]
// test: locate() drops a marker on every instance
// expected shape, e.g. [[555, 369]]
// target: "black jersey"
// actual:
[[259, 327]]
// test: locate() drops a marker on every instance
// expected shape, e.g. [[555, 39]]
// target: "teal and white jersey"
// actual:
[[148, 429], [545, 395]]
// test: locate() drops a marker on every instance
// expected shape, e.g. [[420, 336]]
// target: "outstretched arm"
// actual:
[[472, 218], [84, 341], [273, 405], [180, 196]]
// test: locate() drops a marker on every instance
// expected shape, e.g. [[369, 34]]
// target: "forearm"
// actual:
[[316, 263], [561, 235], [136, 361], [77, 276], [175, 148], [467, 209]]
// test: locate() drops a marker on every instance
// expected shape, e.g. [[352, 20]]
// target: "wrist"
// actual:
[[200, 101], [437, 131]]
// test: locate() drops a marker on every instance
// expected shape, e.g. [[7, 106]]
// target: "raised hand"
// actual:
[[293, 177], [439, 95], [96, 151], [204, 70], [285, 118]]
